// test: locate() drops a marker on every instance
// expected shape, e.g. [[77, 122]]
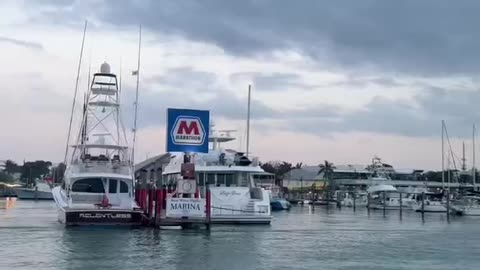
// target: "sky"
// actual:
[[331, 80]]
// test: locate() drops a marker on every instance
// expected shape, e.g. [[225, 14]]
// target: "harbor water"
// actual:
[[324, 238]]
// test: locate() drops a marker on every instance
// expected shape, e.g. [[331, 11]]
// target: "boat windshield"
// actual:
[[100, 185], [264, 180]]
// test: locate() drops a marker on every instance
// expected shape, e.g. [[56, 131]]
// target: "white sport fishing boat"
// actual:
[[98, 182], [236, 183]]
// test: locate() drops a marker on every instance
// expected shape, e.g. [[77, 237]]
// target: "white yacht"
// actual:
[[98, 182], [237, 184], [41, 191]]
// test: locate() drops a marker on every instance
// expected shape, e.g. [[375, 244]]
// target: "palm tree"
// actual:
[[327, 169]]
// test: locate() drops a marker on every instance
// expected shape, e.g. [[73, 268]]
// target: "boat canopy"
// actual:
[[381, 188]]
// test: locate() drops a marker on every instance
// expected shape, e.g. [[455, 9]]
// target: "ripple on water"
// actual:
[[298, 239]]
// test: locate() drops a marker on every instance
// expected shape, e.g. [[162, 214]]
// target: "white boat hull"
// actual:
[[466, 211], [431, 208], [94, 216], [31, 194]]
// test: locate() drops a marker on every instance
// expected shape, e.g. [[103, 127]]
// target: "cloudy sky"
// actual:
[[336, 80]]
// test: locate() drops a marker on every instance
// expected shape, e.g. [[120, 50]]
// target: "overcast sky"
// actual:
[[335, 80]]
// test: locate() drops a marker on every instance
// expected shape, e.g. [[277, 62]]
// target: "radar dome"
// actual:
[[105, 68]]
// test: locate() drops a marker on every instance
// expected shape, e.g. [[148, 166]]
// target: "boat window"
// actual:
[[211, 179], [201, 179], [112, 186], [221, 179], [229, 181], [90, 185], [242, 179], [123, 187]]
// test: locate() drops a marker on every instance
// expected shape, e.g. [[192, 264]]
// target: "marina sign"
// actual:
[[185, 207], [187, 130]]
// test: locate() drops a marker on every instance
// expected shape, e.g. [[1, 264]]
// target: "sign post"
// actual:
[[187, 132]]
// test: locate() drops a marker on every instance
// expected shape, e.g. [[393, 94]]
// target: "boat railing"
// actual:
[[100, 166]]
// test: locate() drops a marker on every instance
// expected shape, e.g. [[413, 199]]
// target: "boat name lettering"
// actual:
[[230, 193], [106, 215]]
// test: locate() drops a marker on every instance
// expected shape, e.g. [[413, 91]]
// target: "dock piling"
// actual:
[[354, 201], [384, 203], [423, 206], [448, 206], [401, 205]]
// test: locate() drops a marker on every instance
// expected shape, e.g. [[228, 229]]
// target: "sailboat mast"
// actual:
[[75, 94], [248, 120], [136, 96], [474, 173], [464, 165], [443, 156]]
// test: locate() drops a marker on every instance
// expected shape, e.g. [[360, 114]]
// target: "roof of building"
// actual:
[[150, 161]]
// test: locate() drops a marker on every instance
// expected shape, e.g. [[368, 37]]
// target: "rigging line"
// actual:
[[84, 120], [75, 93], [100, 122], [450, 146]]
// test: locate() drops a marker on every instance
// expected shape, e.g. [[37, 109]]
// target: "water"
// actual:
[[31, 238]]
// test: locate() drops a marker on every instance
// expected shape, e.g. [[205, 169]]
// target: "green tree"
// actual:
[[58, 172], [327, 169], [11, 167], [35, 169], [5, 177], [278, 168]]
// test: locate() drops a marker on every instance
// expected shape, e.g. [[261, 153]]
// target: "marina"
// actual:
[[323, 238], [253, 135]]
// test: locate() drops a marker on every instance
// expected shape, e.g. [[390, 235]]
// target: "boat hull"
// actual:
[[29, 194], [104, 217], [280, 204], [236, 219], [431, 208]]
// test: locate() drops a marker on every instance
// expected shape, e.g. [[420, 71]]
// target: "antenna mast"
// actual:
[[137, 72], [75, 94]]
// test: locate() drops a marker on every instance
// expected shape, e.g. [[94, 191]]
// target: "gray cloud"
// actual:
[[428, 37], [272, 82], [184, 78], [22, 43], [420, 117]]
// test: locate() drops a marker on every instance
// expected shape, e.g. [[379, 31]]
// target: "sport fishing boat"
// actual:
[[98, 181], [237, 184]]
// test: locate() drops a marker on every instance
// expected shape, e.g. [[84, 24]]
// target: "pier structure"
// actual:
[[153, 194]]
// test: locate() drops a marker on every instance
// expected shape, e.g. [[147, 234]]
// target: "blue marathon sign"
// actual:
[[187, 130]]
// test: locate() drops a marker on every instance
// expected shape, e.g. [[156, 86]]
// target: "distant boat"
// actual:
[[466, 206], [279, 204], [41, 191], [432, 203]]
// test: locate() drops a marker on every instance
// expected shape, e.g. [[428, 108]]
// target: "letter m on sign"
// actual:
[[186, 128]]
